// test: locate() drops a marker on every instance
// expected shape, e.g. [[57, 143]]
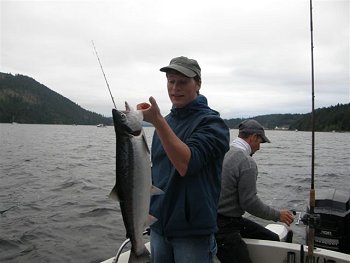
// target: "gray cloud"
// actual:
[[255, 54]]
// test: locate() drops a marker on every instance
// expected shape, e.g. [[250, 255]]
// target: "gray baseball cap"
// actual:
[[186, 66], [253, 127]]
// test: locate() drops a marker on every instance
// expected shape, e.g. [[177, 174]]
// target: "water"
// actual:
[[55, 181]]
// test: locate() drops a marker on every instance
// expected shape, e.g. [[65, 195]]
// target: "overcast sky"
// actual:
[[255, 55]]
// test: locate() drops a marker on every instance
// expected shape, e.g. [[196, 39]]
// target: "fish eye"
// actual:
[[123, 116]]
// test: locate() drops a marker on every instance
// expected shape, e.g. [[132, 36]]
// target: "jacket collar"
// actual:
[[199, 103], [242, 145]]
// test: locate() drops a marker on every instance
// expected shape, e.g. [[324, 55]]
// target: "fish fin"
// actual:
[[145, 257], [145, 140], [114, 194], [156, 191], [127, 106], [150, 220]]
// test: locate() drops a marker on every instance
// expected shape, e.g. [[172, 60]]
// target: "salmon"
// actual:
[[133, 187]]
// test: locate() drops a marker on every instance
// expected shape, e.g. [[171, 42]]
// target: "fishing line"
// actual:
[[103, 73]]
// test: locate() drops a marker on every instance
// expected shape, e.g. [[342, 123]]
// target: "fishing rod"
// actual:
[[311, 224], [103, 73]]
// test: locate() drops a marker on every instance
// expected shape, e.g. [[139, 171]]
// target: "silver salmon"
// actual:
[[133, 186]]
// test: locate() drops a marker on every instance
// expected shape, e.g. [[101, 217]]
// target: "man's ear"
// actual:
[[199, 84], [251, 138]]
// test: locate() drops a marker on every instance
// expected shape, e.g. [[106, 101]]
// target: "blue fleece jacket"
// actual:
[[189, 205]]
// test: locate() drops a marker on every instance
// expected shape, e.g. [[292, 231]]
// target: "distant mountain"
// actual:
[[333, 118], [271, 121], [24, 100]]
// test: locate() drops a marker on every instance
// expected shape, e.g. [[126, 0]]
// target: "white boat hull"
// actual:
[[262, 251]]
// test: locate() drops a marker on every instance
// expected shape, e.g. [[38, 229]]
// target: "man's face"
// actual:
[[255, 140], [181, 89]]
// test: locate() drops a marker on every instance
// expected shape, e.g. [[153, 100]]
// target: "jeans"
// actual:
[[196, 249], [231, 246]]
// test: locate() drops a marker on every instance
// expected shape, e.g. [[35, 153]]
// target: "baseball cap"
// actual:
[[253, 127], [186, 66]]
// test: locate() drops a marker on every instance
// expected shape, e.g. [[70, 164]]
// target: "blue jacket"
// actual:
[[189, 205]]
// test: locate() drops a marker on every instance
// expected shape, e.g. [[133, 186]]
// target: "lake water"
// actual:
[[55, 181]]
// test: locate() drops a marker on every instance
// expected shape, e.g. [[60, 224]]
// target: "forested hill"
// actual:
[[24, 100], [333, 118]]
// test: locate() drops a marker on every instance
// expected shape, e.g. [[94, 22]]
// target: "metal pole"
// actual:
[[311, 232]]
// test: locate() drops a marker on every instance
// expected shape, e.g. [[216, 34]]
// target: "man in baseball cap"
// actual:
[[188, 147], [239, 195]]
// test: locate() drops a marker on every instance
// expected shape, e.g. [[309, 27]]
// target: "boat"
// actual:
[[101, 125], [331, 239], [262, 251]]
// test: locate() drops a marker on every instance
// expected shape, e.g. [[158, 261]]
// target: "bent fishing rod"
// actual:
[[103, 74]]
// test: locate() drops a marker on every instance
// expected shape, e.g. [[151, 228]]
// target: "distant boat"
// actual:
[[281, 128], [13, 120], [101, 125]]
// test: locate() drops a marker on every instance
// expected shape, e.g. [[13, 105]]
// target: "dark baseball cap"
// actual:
[[186, 66], [253, 127]]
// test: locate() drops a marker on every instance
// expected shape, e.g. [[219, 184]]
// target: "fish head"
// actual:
[[128, 120]]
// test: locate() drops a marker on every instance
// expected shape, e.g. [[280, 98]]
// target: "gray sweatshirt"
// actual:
[[238, 187]]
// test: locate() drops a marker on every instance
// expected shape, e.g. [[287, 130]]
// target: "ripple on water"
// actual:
[[98, 212]]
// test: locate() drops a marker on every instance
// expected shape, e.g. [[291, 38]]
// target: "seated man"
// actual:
[[239, 194]]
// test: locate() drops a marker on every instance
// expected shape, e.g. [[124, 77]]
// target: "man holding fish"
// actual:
[[187, 152]]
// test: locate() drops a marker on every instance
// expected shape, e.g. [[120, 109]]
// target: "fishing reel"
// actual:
[[309, 219]]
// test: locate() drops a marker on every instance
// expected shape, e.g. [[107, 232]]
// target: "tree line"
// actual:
[[333, 118]]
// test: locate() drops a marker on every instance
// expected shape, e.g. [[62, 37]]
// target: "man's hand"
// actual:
[[151, 112], [286, 217]]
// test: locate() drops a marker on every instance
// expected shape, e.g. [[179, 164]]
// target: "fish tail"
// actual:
[[145, 257]]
